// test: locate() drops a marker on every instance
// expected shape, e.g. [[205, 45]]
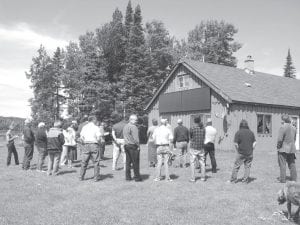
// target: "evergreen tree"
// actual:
[[289, 69], [128, 19], [135, 90], [42, 78], [213, 42]]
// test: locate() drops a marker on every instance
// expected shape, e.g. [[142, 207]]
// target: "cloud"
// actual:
[[23, 34]]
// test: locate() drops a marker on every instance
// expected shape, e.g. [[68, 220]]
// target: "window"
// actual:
[[264, 124], [183, 81]]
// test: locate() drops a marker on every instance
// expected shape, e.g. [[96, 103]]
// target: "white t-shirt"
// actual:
[[90, 133], [162, 135], [210, 134]]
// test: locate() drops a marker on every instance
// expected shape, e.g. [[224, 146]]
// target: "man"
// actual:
[[55, 141], [209, 144], [84, 121], [28, 138], [41, 145], [11, 146], [132, 148], [118, 143], [163, 138], [90, 136], [286, 149], [244, 142], [197, 135], [180, 141]]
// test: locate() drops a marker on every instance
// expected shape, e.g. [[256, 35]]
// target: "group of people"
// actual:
[[163, 146]]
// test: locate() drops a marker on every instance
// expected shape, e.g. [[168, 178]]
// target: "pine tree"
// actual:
[[42, 78], [289, 69], [128, 19], [135, 90], [213, 42]]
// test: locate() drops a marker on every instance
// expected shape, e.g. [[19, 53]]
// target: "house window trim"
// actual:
[[264, 134], [184, 76]]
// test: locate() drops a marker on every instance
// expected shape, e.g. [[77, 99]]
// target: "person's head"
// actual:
[[41, 125], [154, 122], [133, 119], [92, 119], [197, 120], [84, 118], [285, 118], [244, 124], [163, 121], [179, 122], [57, 124], [11, 127], [209, 122]]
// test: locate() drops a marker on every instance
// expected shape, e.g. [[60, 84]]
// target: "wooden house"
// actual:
[[227, 95]]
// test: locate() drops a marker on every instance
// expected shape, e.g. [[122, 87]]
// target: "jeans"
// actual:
[[90, 151], [28, 154], [53, 162], [132, 157], [209, 148], [197, 155], [41, 157], [118, 149], [288, 158], [182, 147], [240, 159], [163, 156], [12, 150]]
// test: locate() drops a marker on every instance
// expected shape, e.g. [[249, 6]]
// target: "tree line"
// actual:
[[117, 68]]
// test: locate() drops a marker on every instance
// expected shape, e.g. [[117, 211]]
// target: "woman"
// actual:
[[152, 154], [11, 146], [70, 144], [41, 145]]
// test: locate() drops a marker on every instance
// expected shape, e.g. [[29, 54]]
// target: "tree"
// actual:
[[213, 42], [289, 69], [128, 19], [42, 78], [135, 90], [160, 45]]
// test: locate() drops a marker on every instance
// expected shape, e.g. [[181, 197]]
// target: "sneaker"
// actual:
[[169, 179], [245, 180], [192, 180], [232, 181], [203, 179]]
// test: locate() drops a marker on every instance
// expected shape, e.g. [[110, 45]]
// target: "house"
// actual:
[[227, 95]]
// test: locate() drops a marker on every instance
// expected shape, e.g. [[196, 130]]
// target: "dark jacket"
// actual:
[[41, 138], [28, 136], [55, 140], [245, 138]]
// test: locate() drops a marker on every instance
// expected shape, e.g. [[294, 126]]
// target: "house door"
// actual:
[[295, 123]]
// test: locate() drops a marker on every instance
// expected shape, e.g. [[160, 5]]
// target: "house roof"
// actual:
[[235, 85]]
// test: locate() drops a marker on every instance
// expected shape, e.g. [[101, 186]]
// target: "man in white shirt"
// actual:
[[90, 136], [163, 138], [209, 144]]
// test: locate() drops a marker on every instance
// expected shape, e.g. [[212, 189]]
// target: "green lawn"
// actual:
[[28, 197]]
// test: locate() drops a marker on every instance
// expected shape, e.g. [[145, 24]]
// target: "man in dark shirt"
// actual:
[[244, 141], [197, 134], [132, 148], [28, 138], [180, 141], [118, 142]]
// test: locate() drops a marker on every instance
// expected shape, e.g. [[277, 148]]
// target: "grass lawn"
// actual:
[[29, 197]]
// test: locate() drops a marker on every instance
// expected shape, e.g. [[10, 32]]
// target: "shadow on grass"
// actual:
[[102, 177], [105, 158], [66, 172], [145, 176], [174, 176], [250, 179], [210, 170], [295, 218]]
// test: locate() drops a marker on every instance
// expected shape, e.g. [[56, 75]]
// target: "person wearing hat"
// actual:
[[209, 144], [180, 141], [286, 149], [11, 146], [163, 139], [55, 141], [41, 145], [28, 138]]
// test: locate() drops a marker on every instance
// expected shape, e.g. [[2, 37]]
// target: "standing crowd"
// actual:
[[186, 147]]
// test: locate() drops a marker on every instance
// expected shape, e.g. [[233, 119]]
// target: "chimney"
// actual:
[[249, 65]]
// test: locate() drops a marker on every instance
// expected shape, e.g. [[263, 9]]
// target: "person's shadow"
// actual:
[[145, 176], [66, 172]]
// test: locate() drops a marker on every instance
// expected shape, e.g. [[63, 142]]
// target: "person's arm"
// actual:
[[175, 136], [188, 135], [61, 139], [236, 141], [8, 139], [280, 138]]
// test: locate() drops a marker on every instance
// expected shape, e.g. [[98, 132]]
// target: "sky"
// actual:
[[267, 29]]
